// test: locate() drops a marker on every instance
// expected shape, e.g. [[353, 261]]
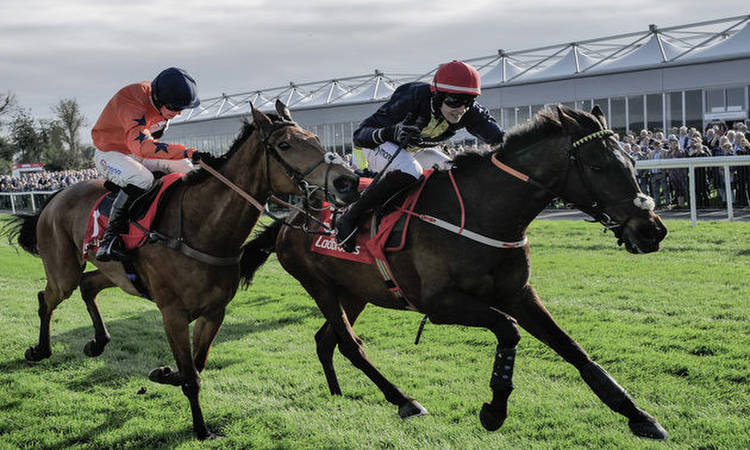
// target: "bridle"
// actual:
[[298, 178], [594, 207]]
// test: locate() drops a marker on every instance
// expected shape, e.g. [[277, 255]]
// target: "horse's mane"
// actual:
[[197, 176], [545, 124]]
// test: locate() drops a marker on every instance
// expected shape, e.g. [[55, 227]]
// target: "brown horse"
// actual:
[[456, 280], [271, 155]]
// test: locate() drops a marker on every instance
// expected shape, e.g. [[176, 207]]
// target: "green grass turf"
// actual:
[[673, 328]]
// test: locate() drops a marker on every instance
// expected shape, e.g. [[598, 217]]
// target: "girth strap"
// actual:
[[179, 244]]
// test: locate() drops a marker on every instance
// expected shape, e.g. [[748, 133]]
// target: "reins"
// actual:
[[595, 209]]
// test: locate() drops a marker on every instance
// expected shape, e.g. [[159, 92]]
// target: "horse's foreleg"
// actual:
[[204, 333], [325, 344], [91, 284], [178, 334], [535, 318], [458, 308]]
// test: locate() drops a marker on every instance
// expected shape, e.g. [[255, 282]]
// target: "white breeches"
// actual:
[[406, 162], [122, 169]]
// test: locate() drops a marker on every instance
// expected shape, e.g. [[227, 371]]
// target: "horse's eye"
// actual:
[[284, 146], [595, 168]]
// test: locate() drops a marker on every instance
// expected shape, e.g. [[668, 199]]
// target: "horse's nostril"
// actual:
[[345, 185]]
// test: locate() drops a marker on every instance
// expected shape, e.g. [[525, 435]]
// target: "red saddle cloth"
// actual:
[[370, 245], [135, 236]]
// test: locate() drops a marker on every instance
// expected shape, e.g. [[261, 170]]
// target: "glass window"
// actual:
[[584, 105], [535, 109], [674, 109], [522, 114], [635, 113], [602, 102], [715, 100], [654, 112], [618, 114], [736, 99], [694, 109], [509, 117]]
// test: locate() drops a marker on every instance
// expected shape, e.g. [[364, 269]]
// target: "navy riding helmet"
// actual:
[[175, 89]]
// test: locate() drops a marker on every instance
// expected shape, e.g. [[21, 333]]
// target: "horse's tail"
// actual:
[[22, 228], [256, 252]]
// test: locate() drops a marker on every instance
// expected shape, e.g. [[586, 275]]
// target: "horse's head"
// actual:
[[601, 182], [297, 164]]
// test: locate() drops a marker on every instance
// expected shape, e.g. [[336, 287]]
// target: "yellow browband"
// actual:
[[591, 136]]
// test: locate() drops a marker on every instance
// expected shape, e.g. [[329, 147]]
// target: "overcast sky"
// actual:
[[87, 50]]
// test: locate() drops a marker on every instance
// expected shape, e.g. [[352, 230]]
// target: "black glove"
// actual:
[[203, 156], [403, 133]]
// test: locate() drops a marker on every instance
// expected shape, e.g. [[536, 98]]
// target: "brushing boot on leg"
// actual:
[[348, 224]]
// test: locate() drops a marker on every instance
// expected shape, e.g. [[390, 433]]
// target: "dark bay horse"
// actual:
[[455, 280], [272, 154]]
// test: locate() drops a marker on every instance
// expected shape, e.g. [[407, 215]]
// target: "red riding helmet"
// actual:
[[457, 77]]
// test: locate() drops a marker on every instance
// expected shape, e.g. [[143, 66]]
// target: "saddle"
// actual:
[[143, 213], [384, 232]]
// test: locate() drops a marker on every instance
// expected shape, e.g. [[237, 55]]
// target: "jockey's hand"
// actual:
[[202, 156], [403, 133]]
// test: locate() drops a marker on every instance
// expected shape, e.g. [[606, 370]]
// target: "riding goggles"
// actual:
[[458, 100]]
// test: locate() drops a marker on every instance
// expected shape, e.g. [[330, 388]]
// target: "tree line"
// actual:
[[54, 142]]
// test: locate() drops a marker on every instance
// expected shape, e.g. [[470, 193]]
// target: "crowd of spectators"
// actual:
[[45, 181], [669, 187]]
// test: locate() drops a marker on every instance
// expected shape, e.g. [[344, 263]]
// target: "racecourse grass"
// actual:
[[673, 328]]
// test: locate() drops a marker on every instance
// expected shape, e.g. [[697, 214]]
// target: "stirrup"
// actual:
[[110, 253]]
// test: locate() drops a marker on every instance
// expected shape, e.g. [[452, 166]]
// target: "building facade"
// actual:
[[690, 75]]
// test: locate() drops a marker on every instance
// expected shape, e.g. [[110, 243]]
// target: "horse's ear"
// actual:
[[261, 120], [599, 114], [569, 124], [283, 111]]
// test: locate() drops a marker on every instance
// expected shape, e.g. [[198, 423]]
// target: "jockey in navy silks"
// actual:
[[418, 115]]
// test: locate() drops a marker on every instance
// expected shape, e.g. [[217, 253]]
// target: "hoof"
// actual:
[[648, 429], [33, 354], [208, 436], [92, 349], [410, 409], [165, 375], [489, 419]]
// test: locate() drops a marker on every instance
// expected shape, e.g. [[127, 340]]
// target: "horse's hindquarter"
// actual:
[[64, 219]]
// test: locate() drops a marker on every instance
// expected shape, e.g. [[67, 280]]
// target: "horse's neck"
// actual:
[[515, 203], [216, 216]]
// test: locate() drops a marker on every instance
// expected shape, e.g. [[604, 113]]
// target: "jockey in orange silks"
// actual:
[[127, 149]]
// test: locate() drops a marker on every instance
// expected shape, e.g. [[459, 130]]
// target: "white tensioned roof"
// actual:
[[683, 44]]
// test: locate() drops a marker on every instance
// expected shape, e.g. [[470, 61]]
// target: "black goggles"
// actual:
[[458, 100]]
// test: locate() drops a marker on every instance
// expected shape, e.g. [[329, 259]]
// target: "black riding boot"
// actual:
[[112, 248], [348, 224]]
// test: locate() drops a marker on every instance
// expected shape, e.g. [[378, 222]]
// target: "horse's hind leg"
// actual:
[[535, 318], [62, 279], [91, 284], [351, 347], [325, 343], [455, 307]]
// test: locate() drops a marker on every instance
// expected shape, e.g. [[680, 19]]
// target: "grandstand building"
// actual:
[[691, 75]]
